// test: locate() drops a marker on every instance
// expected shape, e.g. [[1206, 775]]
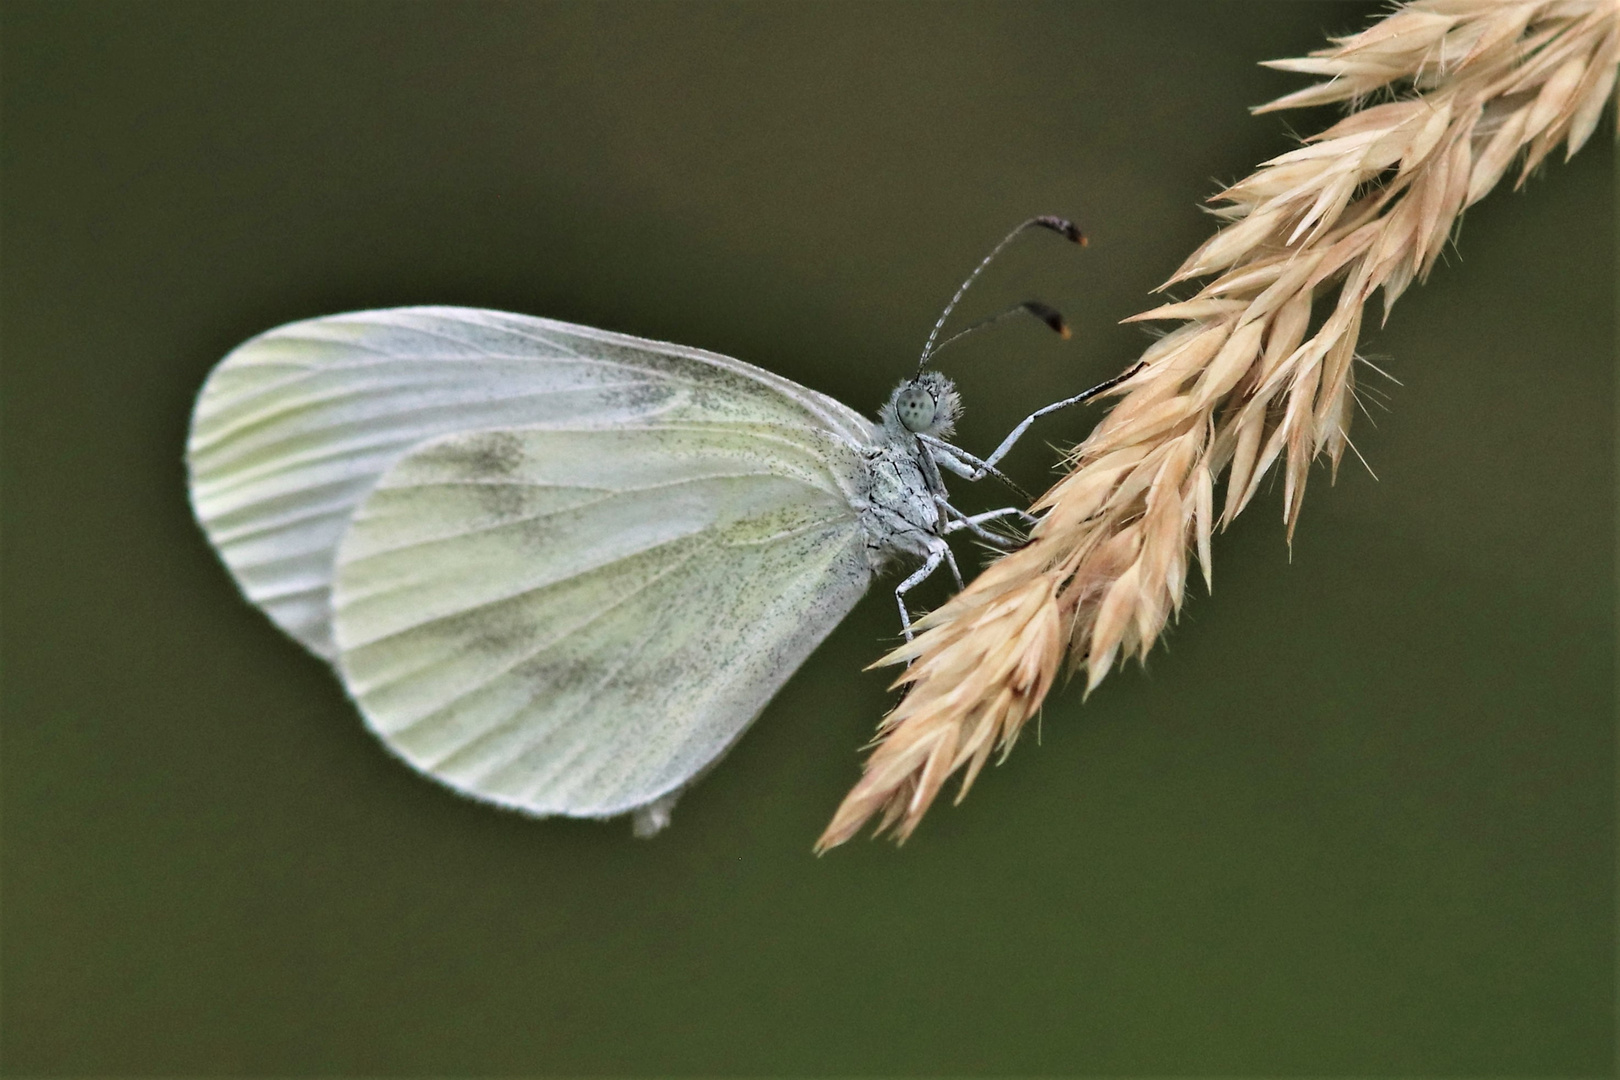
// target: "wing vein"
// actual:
[[550, 643], [612, 493], [506, 721]]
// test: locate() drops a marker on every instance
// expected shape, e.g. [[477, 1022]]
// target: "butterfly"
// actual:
[[562, 569]]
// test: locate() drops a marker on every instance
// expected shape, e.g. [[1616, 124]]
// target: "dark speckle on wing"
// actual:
[[648, 395], [486, 455]]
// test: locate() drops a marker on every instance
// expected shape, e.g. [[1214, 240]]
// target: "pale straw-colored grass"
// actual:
[[1466, 88]]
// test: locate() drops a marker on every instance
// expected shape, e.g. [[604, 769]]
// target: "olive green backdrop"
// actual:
[[1356, 817]]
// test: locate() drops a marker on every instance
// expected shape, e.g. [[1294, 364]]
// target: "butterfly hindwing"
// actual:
[[579, 621]]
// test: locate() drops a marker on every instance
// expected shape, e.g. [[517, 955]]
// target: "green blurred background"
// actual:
[[1357, 817]]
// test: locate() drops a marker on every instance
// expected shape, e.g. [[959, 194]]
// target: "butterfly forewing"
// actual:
[[578, 621], [294, 427]]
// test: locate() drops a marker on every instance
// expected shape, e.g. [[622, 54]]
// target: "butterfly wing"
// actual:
[[294, 427], [578, 621]]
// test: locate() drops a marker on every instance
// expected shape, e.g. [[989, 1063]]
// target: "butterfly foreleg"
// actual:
[[964, 464], [950, 457], [987, 466]]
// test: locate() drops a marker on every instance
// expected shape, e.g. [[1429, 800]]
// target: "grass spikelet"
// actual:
[[1366, 205]]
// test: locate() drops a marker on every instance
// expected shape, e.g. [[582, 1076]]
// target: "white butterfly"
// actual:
[[560, 569]]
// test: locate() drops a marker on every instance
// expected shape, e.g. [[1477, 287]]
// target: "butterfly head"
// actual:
[[926, 405]]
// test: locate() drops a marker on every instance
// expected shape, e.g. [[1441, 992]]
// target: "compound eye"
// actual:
[[915, 408]]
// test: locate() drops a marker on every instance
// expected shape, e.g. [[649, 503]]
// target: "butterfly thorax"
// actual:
[[900, 515]]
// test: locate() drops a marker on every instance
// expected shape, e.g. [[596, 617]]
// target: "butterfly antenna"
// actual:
[[1049, 315], [1062, 226]]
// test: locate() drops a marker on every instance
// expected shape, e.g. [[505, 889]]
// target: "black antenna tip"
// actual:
[[1062, 226], [1051, 316]]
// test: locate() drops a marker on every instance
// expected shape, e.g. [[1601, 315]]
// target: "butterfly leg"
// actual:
[[964, 464], [973, 524], [956, 572], [936, 555], [956, 521], [987, 466]]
